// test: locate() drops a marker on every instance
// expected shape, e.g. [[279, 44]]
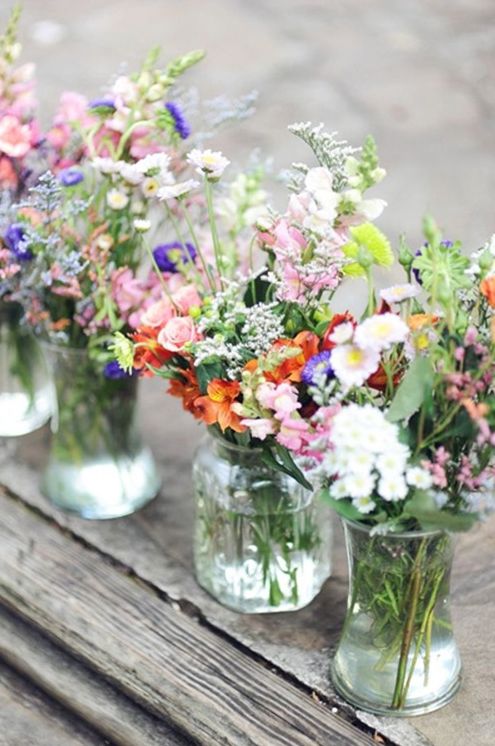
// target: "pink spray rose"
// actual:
[[158, 314], [177, 332], [186, 297], [15, 138]]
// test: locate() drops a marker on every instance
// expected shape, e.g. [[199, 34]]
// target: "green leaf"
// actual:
[[285, 464], [412, 391], [422, 507], [205, 372], [344, 507]]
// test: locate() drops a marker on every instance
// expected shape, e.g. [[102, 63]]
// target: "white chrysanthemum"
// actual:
[[393, 487], [173, 191], [153, 164], [359, 485], [399, 293], [393, 461], [105, 166], [364, 504], [342, 333], [352, 365], [117, 200], [142, 226], [338, 490], [418, 477], [381, 331], [130, 173], [209, 162], [150, 186]]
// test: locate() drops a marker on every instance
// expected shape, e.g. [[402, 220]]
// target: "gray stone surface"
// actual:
[[419, 74]]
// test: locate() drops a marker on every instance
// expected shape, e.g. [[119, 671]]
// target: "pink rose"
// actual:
[[158, 314], [15, 138], [186, 297], [177, 332]]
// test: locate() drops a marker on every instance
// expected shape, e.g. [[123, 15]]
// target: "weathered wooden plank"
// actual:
[[29, 718], [153, 652], [81, 691]]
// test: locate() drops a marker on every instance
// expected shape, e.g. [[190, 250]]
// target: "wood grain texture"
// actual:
[[81, 691], [154, 653], [29, 718]]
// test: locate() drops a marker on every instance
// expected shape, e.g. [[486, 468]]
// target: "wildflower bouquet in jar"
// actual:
[[78, 264], [241, 345], [24, 389]]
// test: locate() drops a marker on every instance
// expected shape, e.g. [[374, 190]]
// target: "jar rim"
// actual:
[[420, 533], [61, 347]]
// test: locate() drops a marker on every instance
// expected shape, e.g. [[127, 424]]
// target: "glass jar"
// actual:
[[262, 541], [98, 466], [397, 654], [25, 388]]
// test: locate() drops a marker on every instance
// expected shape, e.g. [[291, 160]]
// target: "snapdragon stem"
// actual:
[[178, 231], [194, 237], [214, 232]]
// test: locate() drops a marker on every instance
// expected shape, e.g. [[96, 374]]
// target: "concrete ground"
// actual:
[[418, 74]]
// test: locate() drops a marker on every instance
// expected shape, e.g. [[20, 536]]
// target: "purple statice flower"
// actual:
[[15, 240], [315, 366], [447, 243], [182, 126], [114, 372], [169, 256], [102, 103], [69, 177]]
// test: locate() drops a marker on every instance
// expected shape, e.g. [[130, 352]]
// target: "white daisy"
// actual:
[[352, 365], [418, 477], [342, 333], [172, 191], [393, 487], [208, 162], [381, 331], [117, 200], [399, 293], [364, 504]]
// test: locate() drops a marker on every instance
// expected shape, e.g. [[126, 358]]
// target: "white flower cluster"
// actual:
[[368, 460], [262, 326]]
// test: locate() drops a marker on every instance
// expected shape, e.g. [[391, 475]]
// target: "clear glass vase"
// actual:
[[397, 654], [98, 466], [262, 542], [25, 388]]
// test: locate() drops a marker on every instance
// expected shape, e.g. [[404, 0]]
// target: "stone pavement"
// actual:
[[418, 74]]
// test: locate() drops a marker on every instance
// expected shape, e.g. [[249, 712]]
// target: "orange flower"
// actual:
[[378, 380], [475, 411], [216, 406], [291, 369], [186, 388], [419, 320], [148, 351], [60, 325], [487, 288]]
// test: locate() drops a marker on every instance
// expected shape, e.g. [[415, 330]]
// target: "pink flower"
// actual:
[[127, 290], [282, 398], [15, 138], [186, 297], [8, 176], [177, 332], [298, 206], [158, 314], [293, 433], [288, 238], [260, 427], [72, 107]]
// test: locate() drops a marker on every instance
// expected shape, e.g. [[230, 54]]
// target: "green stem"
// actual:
[[214, 232]]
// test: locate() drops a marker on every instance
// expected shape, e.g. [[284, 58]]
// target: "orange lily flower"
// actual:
[[291, 369], [216, 406], [487, 288], [187, 389], [148, 351]]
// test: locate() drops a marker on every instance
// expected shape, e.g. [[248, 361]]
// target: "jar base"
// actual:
[[20, 416], [102, 489], [419, 709]]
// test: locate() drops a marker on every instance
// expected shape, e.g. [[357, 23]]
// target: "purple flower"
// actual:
[[102, 103], [315, 366], [70, 177], [169, 256], [181, 124], [14, 238], [114, 372]]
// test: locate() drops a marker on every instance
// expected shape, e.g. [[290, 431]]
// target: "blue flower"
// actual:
[[102, 103], [182, 126], [114, 372], [15, 240], [70, 177], [169, 256], [315, 366]]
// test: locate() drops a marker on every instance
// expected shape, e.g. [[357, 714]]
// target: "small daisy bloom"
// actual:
[[208, 162], [393, 487], [399, 293], [338, 490], [342, 333], [381, 331], [418, 477], [117, 200], [105, 166], [142, 225], [150, 186], [353, 365], [364, 504], [359, 485], [173, 191], [104, 242], [130, 174], [153, 164]]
